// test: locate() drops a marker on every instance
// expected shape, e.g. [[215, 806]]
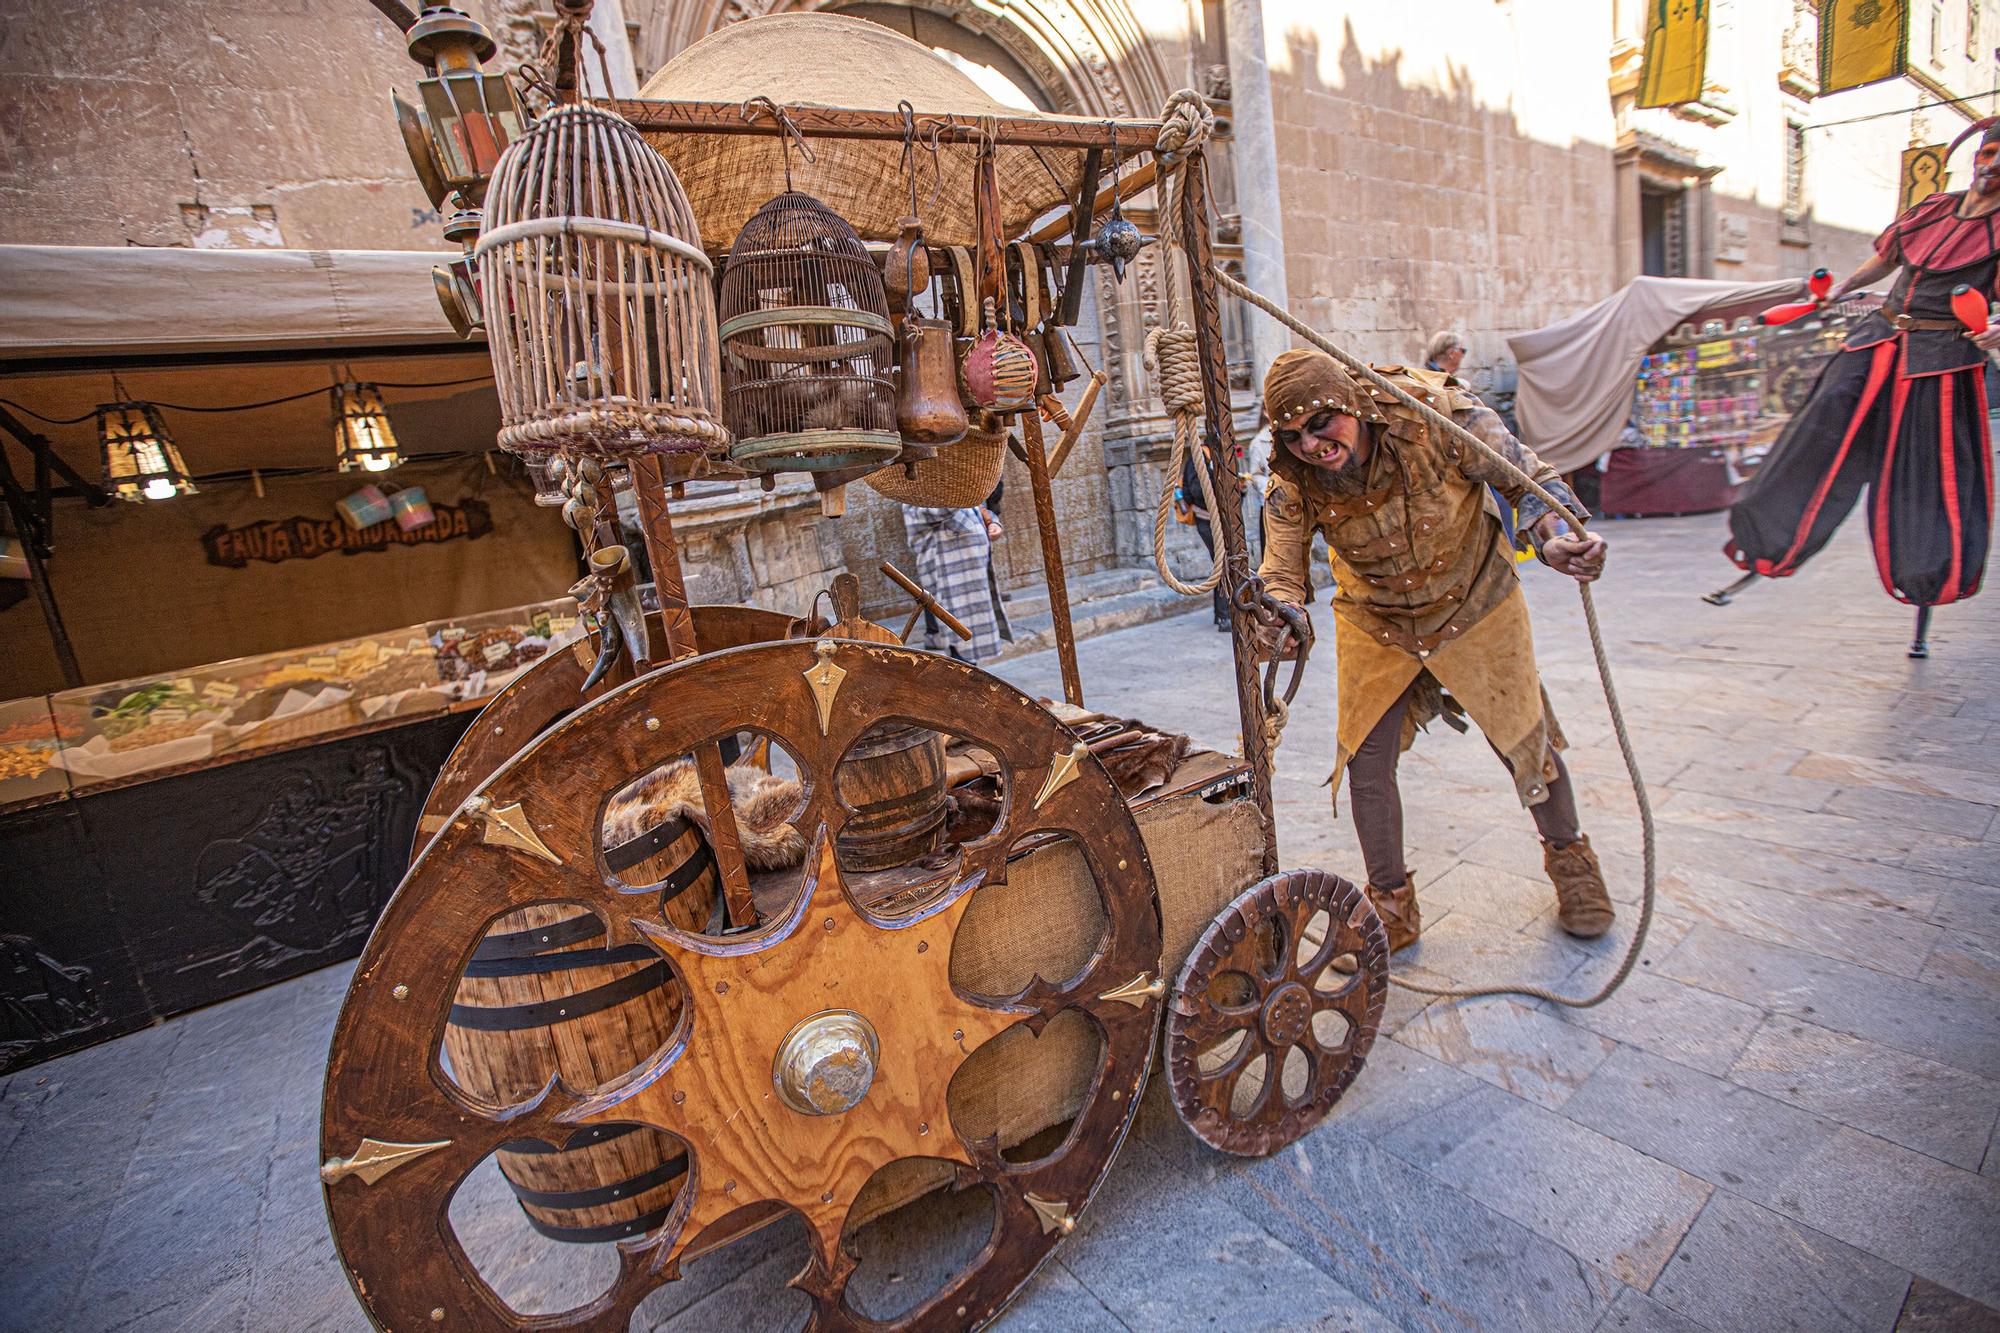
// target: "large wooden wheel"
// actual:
[[551, 689], [811, 1052]]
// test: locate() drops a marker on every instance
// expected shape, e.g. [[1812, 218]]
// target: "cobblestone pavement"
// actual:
[[1785, 1120]]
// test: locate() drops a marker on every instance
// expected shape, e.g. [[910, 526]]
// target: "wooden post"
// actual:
[[663, 553], [38, 573], [1052, 565], [1219, 439]]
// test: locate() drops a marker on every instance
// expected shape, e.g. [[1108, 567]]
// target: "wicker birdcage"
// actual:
[[599, 303], [807, 352]]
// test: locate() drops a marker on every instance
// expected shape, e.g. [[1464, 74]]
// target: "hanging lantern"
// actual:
[[140, 459], [362, 436], [805, 336], [599, 303], [468, 117]]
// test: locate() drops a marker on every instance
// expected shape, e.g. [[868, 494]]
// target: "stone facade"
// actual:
[[1394, 169]]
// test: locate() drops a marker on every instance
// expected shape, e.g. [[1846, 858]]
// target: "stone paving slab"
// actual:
[[1787, 1119]]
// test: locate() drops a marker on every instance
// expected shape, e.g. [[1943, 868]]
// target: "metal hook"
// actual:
[[788, 131]]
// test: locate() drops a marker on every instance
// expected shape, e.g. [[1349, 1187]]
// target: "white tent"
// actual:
[[1576, 377]]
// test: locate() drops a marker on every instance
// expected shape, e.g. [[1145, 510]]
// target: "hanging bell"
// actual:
[[1119, 242]]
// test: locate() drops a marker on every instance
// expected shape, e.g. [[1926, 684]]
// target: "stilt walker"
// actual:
[[1900, 410]]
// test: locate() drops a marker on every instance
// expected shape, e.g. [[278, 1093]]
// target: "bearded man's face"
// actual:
[[1332, 443], [1986, 169]]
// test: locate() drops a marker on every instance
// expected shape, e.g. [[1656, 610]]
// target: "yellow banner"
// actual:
[[1923, 173], [1862, 41], [1676, 58]]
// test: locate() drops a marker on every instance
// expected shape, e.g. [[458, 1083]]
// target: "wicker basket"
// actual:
[[960, 477]]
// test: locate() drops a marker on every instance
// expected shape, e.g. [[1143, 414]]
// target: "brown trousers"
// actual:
[[1378, 804]]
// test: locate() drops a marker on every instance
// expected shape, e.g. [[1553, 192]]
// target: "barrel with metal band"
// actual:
[[544, 993], [893, 783]]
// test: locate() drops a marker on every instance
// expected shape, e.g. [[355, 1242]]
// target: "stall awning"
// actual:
[[212, 328], [851, 64], [61, 302], [1576, 377]]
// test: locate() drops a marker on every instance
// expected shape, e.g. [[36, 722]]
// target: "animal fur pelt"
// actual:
[[762, 802]]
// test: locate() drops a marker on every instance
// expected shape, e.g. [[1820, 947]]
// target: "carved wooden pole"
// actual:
[[649, 488], [1219, 438], [1052, 562]]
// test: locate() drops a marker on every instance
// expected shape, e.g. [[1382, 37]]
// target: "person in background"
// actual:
[[1194, 503], [951, 549], [1256, 480], [995, 530], [1446, 352]]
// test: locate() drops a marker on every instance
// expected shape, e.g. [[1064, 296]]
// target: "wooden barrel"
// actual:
[[893, 781], [542, 993]]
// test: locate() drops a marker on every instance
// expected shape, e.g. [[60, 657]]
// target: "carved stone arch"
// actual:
[[1090, 57]]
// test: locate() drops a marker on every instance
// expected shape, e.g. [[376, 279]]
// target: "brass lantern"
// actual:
[[140, 459], [362, 435], [468, 116]]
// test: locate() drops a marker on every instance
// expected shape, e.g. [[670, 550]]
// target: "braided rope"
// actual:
[[1173, 358], [1466, 437]]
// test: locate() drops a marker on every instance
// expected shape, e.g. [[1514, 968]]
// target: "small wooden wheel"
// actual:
[[810, 1052], [1275, 1010]]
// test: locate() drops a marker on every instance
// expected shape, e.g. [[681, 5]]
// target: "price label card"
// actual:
[[322, 662], [497, 651], [220, 690]]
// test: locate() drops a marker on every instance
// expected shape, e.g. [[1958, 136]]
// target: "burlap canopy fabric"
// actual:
[[827, 60]]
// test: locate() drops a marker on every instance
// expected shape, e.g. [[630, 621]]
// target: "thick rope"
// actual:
[[1467, 438], [1172, 358]]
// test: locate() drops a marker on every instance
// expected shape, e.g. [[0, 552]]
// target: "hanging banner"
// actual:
[[1676, 61], [1862, 42], [1923, 173], [303, 538]]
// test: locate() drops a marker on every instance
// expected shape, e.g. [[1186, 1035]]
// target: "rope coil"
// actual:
[[1575, 520], [1172, 356]]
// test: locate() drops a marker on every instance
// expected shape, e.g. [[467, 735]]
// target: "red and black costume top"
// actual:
[[1938, 250]]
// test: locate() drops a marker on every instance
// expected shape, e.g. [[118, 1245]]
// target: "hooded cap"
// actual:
[[1302, 382]]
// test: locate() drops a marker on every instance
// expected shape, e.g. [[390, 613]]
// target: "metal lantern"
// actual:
[[140, 459], [468, 117], [362, 436], [599, 303], [806, 344]]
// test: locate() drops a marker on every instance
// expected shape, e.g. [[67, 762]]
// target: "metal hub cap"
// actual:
[[1286, 1014], [826, 1063]]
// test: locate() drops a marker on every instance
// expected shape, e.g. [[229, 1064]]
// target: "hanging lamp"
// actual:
[[141, 461], [362, 435]]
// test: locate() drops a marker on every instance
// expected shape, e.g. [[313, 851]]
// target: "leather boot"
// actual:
[[1583, 906], [1398, 910]]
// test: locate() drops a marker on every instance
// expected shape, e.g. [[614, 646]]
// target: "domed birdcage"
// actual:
[[806, 344], [599, 303]]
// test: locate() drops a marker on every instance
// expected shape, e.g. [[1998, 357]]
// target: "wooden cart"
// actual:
[[866, 1025]]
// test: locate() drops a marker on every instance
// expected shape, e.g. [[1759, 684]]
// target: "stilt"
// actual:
[[1920, 646], [1722, 596]]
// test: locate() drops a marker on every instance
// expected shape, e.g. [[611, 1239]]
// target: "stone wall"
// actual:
[[1442, 165]]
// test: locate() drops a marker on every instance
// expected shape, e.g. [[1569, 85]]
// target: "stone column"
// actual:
[[1255, 149], [607, 20]]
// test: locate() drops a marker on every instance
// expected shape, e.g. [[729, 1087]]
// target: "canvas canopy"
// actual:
[[59, 301], [1576, 377], [828, 60], [197, 327]]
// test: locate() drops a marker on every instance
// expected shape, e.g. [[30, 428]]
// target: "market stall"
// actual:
[[224, 701], [1669, 386]]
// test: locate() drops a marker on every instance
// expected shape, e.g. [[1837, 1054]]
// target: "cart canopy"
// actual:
[[225, 327], [1576, 377], [850, 64]]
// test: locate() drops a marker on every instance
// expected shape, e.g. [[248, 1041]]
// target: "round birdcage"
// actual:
[[807, 352], [599, 303]]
